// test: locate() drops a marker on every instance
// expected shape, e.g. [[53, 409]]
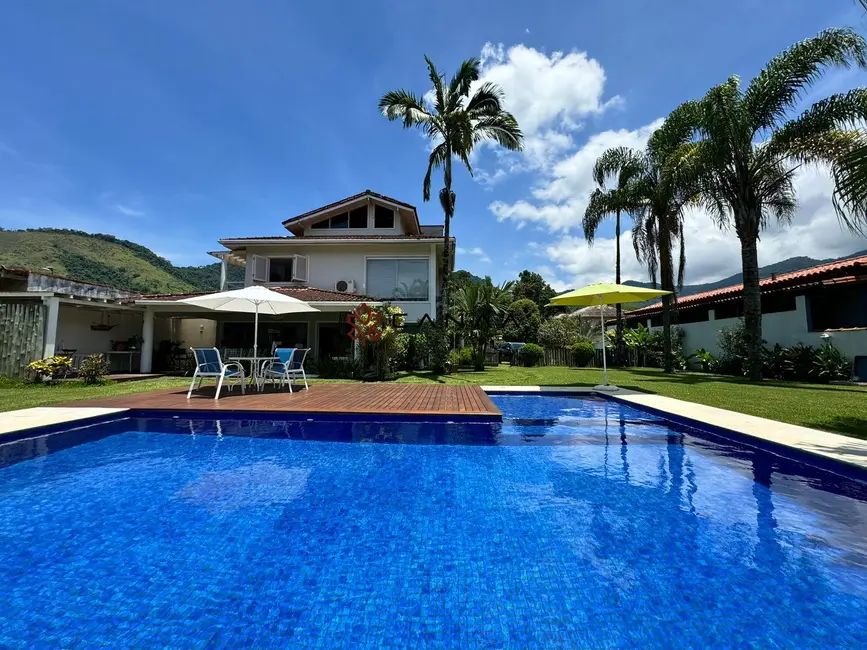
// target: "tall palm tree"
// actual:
[[624, 165], [455, 122], [657, 199], [748, 150], [482, 307]]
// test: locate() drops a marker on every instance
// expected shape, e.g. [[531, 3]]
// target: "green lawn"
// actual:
[[833, 408]]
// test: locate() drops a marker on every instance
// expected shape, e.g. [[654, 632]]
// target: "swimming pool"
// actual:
[[575, 523]]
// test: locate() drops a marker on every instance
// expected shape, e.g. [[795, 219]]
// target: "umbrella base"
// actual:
[[607, 387]]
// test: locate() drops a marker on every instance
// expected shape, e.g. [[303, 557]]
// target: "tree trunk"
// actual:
[[752, 306], [667, 364], [619, 347], [448, 205]]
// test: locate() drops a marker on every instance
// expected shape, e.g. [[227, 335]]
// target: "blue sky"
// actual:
[[176, 123]]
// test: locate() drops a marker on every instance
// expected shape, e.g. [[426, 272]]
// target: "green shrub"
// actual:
[[563, 332], [523, 323], [831, 364], [733, 347], [51, 368], [338, 368], [531, 354], [706, 361], [94, 369], [416, 352], [437, 347], [583, 352]]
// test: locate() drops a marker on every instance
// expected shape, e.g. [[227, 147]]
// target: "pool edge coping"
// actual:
[[805, 441]]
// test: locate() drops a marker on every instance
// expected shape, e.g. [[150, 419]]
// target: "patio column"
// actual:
[[432, 281], [147, 344], [51, 318], [224, 274]]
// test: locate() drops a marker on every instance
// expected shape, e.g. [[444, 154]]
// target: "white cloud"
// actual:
[[713, 254], [550, 96], [475, 252], [128, 211], [562, 193]]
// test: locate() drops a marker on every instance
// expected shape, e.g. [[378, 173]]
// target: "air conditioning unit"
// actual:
[[345, 286]]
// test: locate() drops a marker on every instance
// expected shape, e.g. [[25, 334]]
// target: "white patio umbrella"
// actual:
[[251, 300]]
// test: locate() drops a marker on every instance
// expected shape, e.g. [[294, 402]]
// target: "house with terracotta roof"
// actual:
[[823, 303], [366, 248]]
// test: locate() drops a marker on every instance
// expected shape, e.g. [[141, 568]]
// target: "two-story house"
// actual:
[[364, 248]]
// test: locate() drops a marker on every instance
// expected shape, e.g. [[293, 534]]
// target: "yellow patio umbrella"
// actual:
[[600, 294]]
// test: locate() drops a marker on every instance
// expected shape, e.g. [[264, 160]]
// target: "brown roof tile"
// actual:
[[778, 281]]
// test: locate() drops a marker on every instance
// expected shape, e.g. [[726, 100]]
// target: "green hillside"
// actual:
[[106, 259]]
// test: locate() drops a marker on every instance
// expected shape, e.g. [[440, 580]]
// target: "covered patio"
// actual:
[[166, 320]]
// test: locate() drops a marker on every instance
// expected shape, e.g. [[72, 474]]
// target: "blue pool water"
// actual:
[[578, 523]]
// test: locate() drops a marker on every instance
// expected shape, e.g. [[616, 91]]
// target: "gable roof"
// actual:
[[781, 281], [352, 199]]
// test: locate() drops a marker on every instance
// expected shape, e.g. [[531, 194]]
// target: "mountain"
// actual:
[[106, 259], [786, 266]]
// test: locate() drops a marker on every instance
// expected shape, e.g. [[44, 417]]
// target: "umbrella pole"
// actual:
[[604, 362], [255, 343]]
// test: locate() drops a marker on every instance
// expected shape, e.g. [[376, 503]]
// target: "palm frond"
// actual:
[[850, 186], [500, 127], [436, 80], [404, 105], [487, 100], [777, 88], [436, 160], [460, 84], [599, 207], [803, 136], [622, 162]]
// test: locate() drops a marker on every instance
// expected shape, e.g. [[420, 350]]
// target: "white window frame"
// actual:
[[265, 278], [327, 219], [430, 298]]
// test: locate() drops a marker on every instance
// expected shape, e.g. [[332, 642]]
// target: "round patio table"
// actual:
[[256, 364]]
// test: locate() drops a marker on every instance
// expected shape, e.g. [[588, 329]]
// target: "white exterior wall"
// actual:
[[194, 332], [74, 333], [786, 328], [330, 263]]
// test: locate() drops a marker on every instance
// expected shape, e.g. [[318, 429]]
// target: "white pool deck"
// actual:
[[829, 445]]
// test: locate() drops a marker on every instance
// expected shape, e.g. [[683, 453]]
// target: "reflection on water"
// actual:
[[575, 523], [251, 486]]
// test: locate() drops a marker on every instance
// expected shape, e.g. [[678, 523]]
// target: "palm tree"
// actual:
[[748, 150], [455, 123], [657, 199], [482, 307], [623, 164]]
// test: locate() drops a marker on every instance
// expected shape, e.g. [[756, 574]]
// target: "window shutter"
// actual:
[[260, 268], [299, 268]]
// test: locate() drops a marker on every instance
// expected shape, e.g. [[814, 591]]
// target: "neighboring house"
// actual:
[[827, 302], [366, 248], [42, 314]]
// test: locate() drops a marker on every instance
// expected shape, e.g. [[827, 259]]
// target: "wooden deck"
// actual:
[[392, 399]]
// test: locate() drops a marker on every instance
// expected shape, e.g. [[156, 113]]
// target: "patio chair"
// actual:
[[209, 364], [288, 366]]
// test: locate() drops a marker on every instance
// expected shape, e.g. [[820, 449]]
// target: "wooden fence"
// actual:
[[21, 336], [563, 357]]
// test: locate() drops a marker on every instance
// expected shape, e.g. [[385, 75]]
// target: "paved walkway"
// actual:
[[45, 416], [830, 445]]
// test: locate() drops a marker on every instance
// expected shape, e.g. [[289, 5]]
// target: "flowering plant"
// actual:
[[49, 369]]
